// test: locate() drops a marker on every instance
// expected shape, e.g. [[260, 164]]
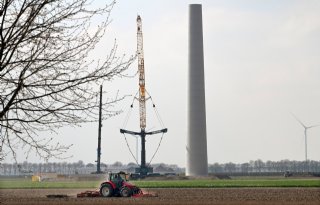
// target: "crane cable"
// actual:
[[160, 121], [154, 154], [126, 119], [135, 159], [158, 116], [156, 111], [124, 126], [162, 124]]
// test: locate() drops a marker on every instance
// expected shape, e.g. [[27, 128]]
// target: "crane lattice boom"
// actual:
[[144, 169], [142, 96]]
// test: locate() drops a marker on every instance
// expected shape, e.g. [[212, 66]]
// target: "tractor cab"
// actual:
[[118, 178], [121, 176]]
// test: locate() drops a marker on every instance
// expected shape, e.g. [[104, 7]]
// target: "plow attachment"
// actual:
[[89, 194], [144, 194], [96, 193]]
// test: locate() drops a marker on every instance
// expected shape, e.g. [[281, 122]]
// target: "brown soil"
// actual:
[[247, 196]]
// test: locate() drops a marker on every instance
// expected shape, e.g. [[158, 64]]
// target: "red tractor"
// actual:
[[117, 185]]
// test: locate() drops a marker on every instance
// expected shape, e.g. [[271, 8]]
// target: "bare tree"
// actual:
[[46, 79]]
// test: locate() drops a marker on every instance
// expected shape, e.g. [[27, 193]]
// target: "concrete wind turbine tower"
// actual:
[[197, 160]]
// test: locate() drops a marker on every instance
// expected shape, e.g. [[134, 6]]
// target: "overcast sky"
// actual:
[[262, 63]]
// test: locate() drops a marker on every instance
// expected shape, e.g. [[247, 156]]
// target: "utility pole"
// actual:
[[99, 134]]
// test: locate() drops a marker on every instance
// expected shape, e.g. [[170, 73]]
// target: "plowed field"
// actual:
[[182, 196]]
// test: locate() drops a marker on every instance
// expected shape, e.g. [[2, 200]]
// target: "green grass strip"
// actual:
[[28, 184], [15, 184], [228, 183]]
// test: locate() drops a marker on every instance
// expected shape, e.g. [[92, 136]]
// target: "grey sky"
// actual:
[[261, 63]]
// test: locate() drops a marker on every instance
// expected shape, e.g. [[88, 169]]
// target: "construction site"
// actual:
[[145, 182]]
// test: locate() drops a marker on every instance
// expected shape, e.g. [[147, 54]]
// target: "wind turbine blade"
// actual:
[[313, 126], [299, 121]]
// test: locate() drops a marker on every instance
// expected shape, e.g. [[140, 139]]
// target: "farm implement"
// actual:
[[116, 185]]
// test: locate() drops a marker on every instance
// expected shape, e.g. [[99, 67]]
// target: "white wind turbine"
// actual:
[[305, 134]]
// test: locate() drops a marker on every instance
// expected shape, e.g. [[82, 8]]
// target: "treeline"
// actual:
[[259, 166], [65, 168], [253, 166]]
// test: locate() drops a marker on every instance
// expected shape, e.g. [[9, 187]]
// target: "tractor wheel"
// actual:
[[106, 190], [125, 192]]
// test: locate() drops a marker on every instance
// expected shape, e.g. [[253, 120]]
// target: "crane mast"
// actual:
[[144, 169], [142, 91]]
